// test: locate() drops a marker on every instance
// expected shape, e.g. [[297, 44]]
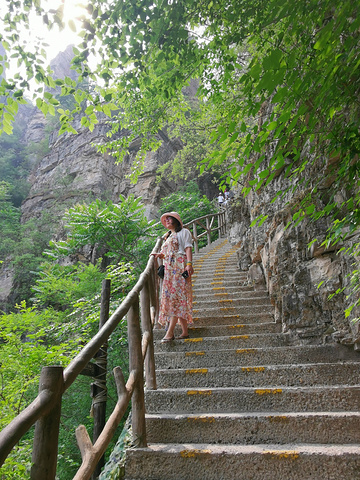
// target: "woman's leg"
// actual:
[[184, 327], [171, 328]]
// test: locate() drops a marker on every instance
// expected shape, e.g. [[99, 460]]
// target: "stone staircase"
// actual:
[[238, 401]]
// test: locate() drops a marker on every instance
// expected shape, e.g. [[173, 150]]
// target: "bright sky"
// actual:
[[57, 40]]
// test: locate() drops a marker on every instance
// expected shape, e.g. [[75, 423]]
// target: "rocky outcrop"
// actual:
[[302, 281], [75, 171]]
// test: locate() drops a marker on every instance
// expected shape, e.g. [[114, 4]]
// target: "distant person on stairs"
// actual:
[[176, 294]]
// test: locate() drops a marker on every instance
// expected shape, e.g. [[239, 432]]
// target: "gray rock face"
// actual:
[[75, 171], [291, 270]]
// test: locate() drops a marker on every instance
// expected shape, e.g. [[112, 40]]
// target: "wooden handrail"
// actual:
[[208, 227], [141, 355]]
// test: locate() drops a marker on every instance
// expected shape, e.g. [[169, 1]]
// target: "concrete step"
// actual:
[[223, 271], [214, 301], [248, 399], [213, 280], [230, 318], [255, 356], [188, 461], [218, 282], [252, 428], [260, 376], [226, 342], [224, 308], [233, 292], [222, 330]]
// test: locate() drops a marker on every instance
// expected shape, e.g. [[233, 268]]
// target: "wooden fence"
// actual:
[[215, 222], [141, 306]]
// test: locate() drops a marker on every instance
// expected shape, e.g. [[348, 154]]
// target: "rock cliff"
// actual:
[[74, 171], [281, 258]]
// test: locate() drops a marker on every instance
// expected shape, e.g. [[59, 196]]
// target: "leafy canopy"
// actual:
[[119, 230], [278, 87]]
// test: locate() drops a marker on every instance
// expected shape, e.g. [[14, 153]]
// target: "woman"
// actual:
[[176, 295]]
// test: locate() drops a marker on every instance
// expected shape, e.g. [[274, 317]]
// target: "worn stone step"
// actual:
[[226, 318], [188, 461], [224, 308], [252, 428], [222, 330], [220, 270], [216, 301], [221, 343], [260, 376], [209, 278], [248, 399], [212, 282], [222, 292], [218, 282], [256, 356]]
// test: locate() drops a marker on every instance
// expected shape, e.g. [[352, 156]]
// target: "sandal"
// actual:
[[182, 337], [167, 340]]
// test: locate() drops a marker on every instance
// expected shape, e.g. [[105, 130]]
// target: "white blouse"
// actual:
[[185, 239]]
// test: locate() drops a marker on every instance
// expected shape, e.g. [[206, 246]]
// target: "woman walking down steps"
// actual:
[[238, 400]]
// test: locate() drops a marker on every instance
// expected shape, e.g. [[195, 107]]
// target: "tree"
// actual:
[[116, 230], [278, 79], [189, 202]]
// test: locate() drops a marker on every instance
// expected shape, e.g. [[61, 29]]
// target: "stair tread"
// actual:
[[268, 414], [293, 401], [250, 368], [206, 448], [266, 388]]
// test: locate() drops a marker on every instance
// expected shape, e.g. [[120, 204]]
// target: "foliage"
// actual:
[[9, 221], [300, 64], [117, 230], [23, 352], [273, 77], [195, 146], [188, 202], [36, 336], [14, 166]]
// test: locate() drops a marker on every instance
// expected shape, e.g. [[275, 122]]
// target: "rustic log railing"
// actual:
[[209, 223], [141, 305]]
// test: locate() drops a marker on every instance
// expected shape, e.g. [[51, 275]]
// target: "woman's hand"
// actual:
[[189, 269], [157, 255]]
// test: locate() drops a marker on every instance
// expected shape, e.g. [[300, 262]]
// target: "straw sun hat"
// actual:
[[170, 214]]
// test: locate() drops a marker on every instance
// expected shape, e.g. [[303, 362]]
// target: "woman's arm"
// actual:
[[189, 267]]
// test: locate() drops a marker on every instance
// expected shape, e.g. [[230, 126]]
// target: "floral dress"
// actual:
[[176, 294]]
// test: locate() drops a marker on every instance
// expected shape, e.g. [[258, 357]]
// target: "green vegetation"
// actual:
[[275, 76], [63, 313], [119, 230], [278, 92], [188, 202]]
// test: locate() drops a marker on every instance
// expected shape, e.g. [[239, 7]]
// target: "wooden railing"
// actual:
[[141, 305], [215, 222]]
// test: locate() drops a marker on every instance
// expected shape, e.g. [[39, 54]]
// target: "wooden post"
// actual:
[[154, 297], [219, 229], [45, 447], [195, 238], [147, 327], [208, 231], [136, 365], [98, 388], [224, 222]]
